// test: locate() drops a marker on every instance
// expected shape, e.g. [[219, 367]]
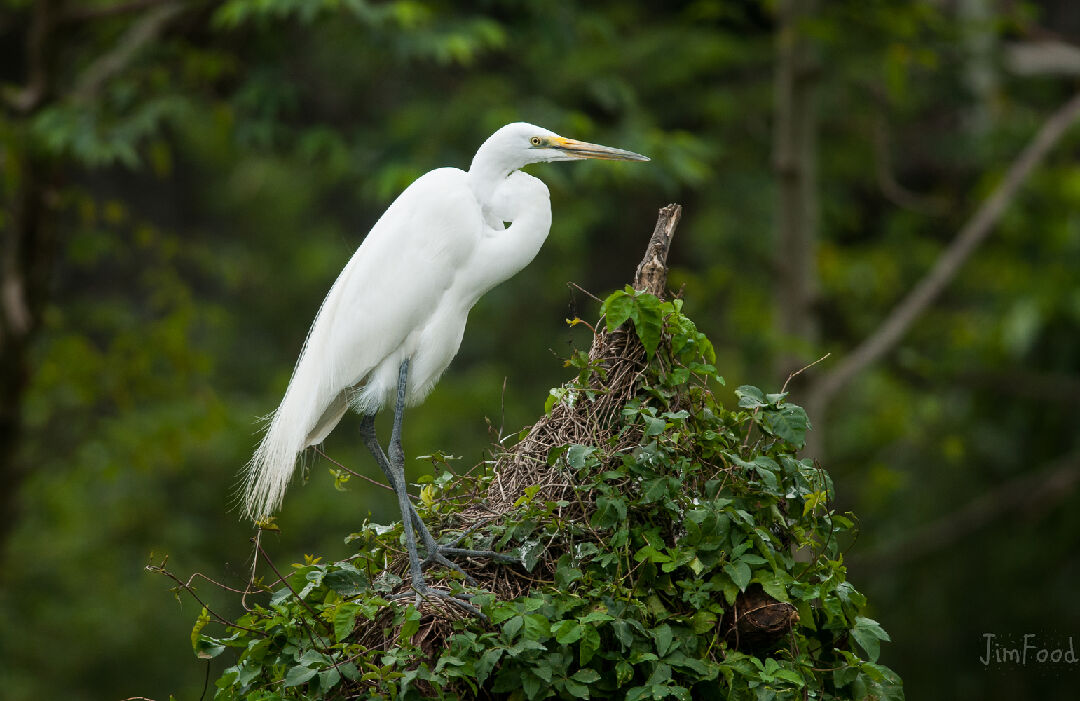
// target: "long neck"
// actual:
[[488, 171], [523, 201]]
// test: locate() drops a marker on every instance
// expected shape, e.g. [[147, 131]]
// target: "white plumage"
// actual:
[[407, 291]]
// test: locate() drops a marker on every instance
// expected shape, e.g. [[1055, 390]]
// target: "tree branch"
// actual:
[[26, 99], [795, 169], [651, 275], [974, 232]]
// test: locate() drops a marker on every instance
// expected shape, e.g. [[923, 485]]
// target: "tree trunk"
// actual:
[[26, 257], [795, 164]]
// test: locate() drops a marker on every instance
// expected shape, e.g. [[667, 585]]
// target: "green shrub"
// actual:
[[684, 551]]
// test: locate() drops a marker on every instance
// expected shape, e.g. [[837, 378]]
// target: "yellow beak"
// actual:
[[582, 149]]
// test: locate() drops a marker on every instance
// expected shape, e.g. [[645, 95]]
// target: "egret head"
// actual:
[[520, 144]]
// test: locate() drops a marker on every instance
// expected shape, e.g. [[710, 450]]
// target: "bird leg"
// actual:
[[393, 465], [367, 433]]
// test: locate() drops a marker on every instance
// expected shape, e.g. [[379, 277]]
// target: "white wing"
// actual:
[[388, 289]]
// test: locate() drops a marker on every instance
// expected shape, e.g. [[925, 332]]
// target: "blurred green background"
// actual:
[[181, 182]]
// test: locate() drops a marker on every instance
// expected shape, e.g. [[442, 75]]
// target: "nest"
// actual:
[[620, 359], [757, 621]]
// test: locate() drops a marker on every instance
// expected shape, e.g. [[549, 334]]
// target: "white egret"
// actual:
[[394, 319]]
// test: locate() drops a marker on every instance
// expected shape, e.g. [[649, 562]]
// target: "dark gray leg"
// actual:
[[396, 460], [436, 554], [367, 433], [397, 464]]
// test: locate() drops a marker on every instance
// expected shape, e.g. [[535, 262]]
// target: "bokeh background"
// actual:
[[181, 181]]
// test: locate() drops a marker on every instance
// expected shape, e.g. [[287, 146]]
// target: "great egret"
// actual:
[[394, 319]]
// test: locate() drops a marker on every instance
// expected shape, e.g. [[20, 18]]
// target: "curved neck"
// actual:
[[487, 172]]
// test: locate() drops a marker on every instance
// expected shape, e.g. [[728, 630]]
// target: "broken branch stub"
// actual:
[[651, 275]]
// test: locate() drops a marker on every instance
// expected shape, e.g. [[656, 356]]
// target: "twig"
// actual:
[[281, 577], [186, 586], [802, 370], [375, 482], [974, 232], [582, 289]]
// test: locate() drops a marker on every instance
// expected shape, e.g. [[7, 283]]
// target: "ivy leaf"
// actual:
[[663, 637], [617, 309], [788, 423], [653, 425], [590, 645], [649, 323], [345, 620], [869, 634], [487, 663], [299, 675], [411, 624], [577, 454], [750, 397], [739, 573], [529, 553]]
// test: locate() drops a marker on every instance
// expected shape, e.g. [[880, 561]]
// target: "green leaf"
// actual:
[[345, 620], [299, 675], [537, 627], [567, 632], [750, 397], [788, 423], [869, 634], [486, 663], [532, 685], [739, 573], [411, 624], [651, 554], [208, 648], [196, 630], [577, 690], [328, 679], [617, 309], [590, 644], [529, 553], [512, 626], [577, 454], [653, 425], [703, 621], [663, 637], [586, 676], [649, 323]]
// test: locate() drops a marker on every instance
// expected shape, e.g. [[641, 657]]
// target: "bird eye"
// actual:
[[536, 141]]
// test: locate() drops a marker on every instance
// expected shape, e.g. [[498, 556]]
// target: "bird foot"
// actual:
[[438, 554]]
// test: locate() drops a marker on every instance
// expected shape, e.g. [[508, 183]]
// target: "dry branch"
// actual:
[[974, 232]]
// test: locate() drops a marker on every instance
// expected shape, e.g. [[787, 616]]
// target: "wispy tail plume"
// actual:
[[272, 466]]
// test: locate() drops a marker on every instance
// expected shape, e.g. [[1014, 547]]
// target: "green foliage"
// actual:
[[691, 507]]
